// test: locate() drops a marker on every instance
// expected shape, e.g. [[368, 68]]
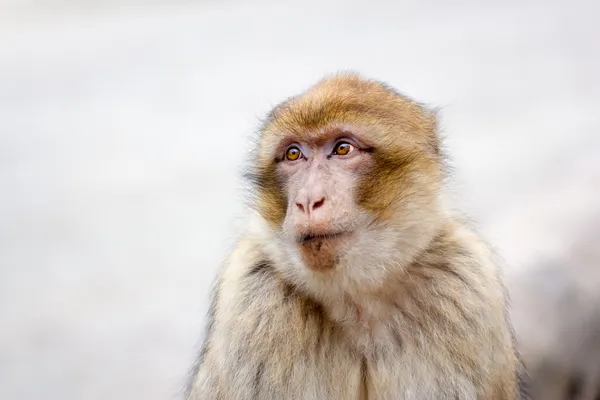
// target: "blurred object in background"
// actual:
[[558, 303], [556, 293]]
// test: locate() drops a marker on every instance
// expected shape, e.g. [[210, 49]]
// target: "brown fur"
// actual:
[[397, 125], [415, 310]]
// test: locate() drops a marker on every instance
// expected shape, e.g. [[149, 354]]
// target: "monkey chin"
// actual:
[[321, 252]]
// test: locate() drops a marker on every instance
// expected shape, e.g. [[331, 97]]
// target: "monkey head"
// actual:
[[347, 177]]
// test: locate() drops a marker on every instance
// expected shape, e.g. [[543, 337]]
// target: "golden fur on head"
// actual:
[[401, 132], [397, 208]]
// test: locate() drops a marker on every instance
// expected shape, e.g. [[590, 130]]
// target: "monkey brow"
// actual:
[[298, 114], [338, 112]]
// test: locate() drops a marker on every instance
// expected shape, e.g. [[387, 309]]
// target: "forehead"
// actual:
[[341, 100], [369, 110]]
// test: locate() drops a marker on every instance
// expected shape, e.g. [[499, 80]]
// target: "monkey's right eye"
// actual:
[[293, 153]]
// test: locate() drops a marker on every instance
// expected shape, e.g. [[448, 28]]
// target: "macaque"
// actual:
[[353, 279]]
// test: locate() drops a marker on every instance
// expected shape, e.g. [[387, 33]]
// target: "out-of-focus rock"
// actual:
[[556, 311], [549, 237]]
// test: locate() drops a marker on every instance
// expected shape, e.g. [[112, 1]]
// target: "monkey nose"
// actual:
[[310, 204]]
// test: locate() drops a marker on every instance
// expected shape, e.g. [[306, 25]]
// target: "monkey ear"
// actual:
[[434, 136]]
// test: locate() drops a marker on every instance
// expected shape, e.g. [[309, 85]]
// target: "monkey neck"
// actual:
[[370, 316], [364, 306]]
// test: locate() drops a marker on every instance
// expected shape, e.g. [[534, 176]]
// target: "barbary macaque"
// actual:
[[353, 279]]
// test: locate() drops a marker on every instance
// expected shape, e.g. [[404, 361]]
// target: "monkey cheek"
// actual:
[[320, 254]]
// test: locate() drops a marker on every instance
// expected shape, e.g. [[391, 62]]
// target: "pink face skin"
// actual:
[[321, 180]]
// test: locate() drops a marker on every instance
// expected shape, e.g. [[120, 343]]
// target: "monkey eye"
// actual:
[[343, 148], [293, 153]]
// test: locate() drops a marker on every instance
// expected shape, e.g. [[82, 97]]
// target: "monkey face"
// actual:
[[347, 177], [320, 182]]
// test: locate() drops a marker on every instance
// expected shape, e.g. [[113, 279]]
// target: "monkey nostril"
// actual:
[[318, 204], [300, 206]]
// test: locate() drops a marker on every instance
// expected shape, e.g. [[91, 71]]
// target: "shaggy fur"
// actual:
[[414, 309]]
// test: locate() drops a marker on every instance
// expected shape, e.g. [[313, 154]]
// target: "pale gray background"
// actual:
[[122, 134]]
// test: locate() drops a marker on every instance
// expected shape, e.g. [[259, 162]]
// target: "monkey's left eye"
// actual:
[[343, 148], [293, 153]]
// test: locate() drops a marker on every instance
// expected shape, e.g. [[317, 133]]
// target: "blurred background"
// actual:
[[123, 128]]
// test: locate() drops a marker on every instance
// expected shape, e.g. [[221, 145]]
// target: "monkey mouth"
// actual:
[[320, 250], [308, 238]]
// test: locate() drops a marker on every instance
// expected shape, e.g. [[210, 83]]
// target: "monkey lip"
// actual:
[[302, 239]]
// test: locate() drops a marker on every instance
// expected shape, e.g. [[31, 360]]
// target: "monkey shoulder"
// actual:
[[468, 278], [269, 341], [455, 300]]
